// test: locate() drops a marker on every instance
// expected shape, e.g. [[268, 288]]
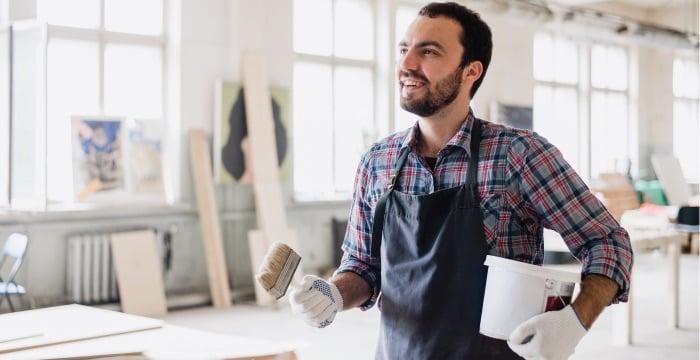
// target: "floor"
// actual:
[[353, 334]]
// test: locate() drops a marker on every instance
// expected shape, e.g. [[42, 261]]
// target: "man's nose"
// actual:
[[408, 61]]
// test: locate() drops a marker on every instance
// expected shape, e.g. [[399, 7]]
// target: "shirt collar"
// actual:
[[460, 139]]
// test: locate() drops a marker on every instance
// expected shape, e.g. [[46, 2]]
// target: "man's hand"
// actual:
[[316, 300], [549, 336]]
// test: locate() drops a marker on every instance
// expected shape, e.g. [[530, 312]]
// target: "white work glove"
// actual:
[[316, 300], [549, 336]]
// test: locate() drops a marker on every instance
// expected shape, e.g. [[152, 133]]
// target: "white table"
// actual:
[[644, 241]]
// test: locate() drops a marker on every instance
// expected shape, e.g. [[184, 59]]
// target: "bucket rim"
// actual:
[[532, 270]]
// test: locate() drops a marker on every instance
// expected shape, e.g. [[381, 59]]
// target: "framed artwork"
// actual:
[[144, 159], [98, 159], [230, 144], [512, 115]]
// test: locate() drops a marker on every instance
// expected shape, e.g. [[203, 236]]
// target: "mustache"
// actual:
[[414, 75]]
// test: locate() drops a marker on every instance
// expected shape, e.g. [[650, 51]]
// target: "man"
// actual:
[[432, 201]]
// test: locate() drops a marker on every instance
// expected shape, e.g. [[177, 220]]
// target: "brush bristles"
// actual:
[[277, 269]]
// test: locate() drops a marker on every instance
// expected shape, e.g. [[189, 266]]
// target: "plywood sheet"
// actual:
[[139, 273], [62, 324], [209, 219], [168, 342]]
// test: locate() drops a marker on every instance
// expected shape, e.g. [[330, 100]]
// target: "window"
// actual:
[[610, 133], [556, 96], [581, 102], [4, 115], [686, 125], [333, 94], [103, 58]]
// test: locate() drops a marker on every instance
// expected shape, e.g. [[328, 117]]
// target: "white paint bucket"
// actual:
[[516, 291]]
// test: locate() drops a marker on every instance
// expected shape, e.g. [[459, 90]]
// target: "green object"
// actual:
[[652, 191]]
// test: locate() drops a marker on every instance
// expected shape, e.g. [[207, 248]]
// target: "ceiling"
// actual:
[[642, 4]]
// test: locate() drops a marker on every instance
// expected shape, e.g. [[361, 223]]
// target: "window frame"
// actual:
[[334, 62]]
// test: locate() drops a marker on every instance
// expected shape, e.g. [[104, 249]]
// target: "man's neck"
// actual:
[[437, 130]]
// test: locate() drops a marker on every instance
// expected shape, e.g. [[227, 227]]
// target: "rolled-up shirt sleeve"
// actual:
[[556, 196], [358, 235]]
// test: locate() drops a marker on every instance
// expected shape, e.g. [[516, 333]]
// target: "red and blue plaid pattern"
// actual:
[[525, 185]]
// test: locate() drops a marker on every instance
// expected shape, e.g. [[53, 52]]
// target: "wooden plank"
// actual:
[[139, 273], [68, 323], [209, 219], [259, 118]]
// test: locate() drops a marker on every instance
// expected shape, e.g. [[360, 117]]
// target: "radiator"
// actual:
[[90, 270]]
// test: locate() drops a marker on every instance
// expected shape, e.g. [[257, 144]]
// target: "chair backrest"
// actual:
[[15, 245]]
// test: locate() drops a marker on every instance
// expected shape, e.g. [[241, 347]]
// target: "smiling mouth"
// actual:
[[412, 84]]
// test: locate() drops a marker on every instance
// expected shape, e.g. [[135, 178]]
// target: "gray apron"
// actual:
[[432, 272]]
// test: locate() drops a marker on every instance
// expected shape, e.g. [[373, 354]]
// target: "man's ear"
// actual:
[[472, 72]]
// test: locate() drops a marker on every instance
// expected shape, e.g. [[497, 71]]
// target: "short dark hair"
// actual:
[[475, 37]]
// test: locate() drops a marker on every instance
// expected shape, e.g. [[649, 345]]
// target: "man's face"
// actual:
[[429, 71]]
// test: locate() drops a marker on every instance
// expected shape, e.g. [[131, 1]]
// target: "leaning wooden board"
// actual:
[[138, 268], [209, 219], [67, 323], [269, 203]]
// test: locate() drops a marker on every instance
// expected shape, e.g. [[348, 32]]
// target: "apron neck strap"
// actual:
[[472, 180], [396, 171]]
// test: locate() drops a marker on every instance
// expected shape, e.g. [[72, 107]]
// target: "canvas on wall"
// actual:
[[231, 146], [98, 161], [144, 156]]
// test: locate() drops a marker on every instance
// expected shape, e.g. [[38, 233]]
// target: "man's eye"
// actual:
[[403, 51], [428, 52]]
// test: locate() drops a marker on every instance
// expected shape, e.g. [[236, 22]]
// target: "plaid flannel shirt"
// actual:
[[525, 185]]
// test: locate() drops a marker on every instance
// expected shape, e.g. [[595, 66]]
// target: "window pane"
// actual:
[[133, 81], [404, 16], [609, 132], [313, 26], [598, 67], [354, 29], [73, 89], [685, 137], [4, 116], [556, 118], [27, 157], [134, 16], [78, 13], [685, 78], [313, 129], [617, 66], [354, 122], [609, 67], [565, 61], [543, 53]]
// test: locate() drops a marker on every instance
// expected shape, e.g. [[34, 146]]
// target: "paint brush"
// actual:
[[277, 269]]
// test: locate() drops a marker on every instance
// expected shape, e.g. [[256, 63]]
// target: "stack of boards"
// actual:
[[78, 332]]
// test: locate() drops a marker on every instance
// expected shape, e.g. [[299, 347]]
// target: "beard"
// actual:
[[445, 92]]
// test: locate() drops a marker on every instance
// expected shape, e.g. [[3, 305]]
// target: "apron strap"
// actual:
[[472, 184], [378, 220]]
